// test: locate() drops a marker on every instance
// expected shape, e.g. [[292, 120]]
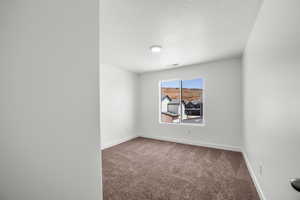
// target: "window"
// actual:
[[181, 101]]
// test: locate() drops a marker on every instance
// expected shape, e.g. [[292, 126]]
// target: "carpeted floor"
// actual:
[[146, 169]]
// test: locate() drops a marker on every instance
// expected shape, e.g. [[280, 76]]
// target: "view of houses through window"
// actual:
[[182, 101]]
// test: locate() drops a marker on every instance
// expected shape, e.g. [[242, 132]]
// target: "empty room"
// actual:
[[199, 100], [149, 100]]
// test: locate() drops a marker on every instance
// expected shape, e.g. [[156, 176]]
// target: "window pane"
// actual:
[[192, 101], [170, 101]]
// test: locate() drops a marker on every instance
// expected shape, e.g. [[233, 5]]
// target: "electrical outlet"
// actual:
[[260, 169]]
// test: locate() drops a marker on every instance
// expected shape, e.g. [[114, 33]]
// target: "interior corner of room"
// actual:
[[250, 97], [149, 100]]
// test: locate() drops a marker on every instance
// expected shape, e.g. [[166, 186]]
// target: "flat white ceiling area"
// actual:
[[190, 31]]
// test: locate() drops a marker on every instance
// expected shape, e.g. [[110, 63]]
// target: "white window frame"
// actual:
[[180, 123]]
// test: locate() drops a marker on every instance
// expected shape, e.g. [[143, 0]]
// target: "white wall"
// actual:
[[272, 97], [49, 105], [222, 111], [118, 105]]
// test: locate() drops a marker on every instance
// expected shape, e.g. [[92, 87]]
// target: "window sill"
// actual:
[[182, 124]]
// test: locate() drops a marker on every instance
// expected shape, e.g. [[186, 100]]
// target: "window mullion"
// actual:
[[180, 102]]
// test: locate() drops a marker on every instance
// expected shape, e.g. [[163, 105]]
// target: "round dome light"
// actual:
[[155, 48]]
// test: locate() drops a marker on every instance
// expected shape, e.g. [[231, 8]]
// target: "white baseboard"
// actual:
[[116, 142], [253, 176], [195, 143]]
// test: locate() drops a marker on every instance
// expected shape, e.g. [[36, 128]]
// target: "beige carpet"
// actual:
[[145, 169]]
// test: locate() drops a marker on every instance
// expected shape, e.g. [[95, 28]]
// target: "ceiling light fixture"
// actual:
[[155, 48]]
